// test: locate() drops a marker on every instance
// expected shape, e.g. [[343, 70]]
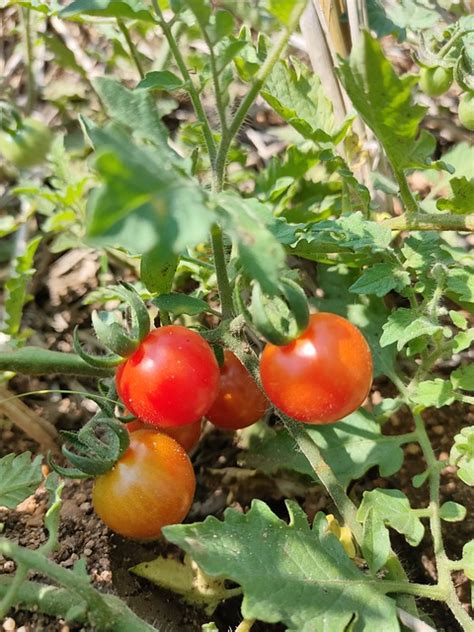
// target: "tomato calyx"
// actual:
[[93, 454], [279, 318], [113, 335]]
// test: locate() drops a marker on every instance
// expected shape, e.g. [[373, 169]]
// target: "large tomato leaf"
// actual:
[[19, 478], [291, 573]]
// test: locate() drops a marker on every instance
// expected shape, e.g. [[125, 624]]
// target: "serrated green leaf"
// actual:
[[404, 325], [463, 340], [131, 9], [16, 295], [157, 270], [384, 102], [261, 256], [282, 9], [460, 281], [351, 447], [452, 512], [463, 378], [391, 507], [135, 109], [296, 95], [458, 319], [178, 304], [462, 454], [19, 478], [303, 577], [161, 80], [462, 201], [436, 392], [468, 559], [375, 541], [380, 279], [145, 201], [201, 9]]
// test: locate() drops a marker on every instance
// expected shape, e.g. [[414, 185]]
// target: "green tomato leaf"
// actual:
[[460, 281], [384, 101], [458, 319], [391, 507], [19, 478], [261, 256], [380, 279], [461, 202], [296, 94], [282, 9], [468, 559], [161, 80], [375, 541], [16, 295], [178, 304], [303, 577], [351, 447], [404, 325], [462, 454], [157, 270], [463, 378], [452, 512], [463, 340], [436, 392], [131, 9]]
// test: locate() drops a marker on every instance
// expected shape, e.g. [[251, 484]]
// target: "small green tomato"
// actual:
[[435, 81], [466, 110]]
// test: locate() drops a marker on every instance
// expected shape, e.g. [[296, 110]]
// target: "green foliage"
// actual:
[[315, 580], [131, 9], [19, 478], [351, 447], [463, 195], [178, 304], [462, 454]]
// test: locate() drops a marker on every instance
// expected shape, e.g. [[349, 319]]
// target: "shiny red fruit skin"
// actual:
[[152, 485], [187, 436], [239, 403], [171, 379], [322, 376]]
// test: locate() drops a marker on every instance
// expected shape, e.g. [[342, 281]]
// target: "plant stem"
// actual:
[[38, 361], [406, 195], [430, 221], [215, 79], [442, 561], [251, 95], [25, 17], [57, 602], [131, 46], [223, 284], [198, 107], [9, 599]]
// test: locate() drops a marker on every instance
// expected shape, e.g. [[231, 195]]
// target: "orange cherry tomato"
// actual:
[[323, 375], [239, 402], [151, 485], [187, 436]]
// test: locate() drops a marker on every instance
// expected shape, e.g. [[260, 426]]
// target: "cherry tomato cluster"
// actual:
[[173, 380]]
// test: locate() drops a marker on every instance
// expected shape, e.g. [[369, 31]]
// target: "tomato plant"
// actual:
[[323, 375], [466, 110], [27, 145], [436, 81], [152, 485], [172, 378], [187, 436], [239, 402]]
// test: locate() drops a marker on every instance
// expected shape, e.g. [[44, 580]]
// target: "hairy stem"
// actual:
[[431, 221], [38, 361], [193, 95], [131, 46], [406, 195], [442, 561], [225, 292], [251, 95], [25, 17]]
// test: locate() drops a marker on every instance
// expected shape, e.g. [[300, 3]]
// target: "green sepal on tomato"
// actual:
[[323, 375], [171, 379], [239, 402], [27, 145], [152, 485]]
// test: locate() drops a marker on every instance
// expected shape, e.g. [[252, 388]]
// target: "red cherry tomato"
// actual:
[[187, 436], [172, 378], [239, 402], [323, 375], [152, 485]]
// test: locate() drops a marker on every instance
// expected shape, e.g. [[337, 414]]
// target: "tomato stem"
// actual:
[[131, 46], [38, 361]]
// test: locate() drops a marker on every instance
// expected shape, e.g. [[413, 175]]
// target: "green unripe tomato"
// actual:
[[466, 110], [28, 145], [435, 81]]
